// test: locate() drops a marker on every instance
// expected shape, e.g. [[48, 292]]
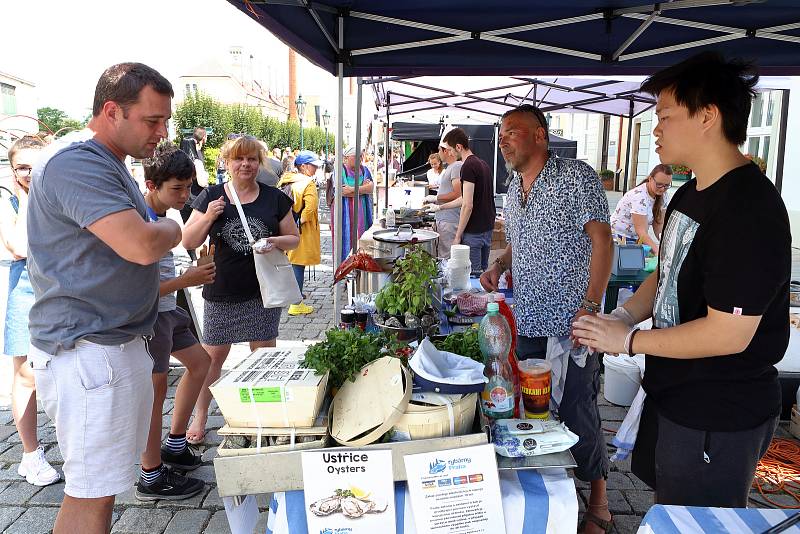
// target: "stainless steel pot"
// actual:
[[367, 282], [389, 243]]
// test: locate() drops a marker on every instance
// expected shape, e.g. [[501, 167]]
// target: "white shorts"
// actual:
[[100, 398]]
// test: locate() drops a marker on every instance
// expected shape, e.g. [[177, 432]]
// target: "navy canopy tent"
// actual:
[[482, 142], [509, 37]]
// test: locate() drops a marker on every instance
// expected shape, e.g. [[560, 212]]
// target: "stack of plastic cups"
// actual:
[[459, 267]]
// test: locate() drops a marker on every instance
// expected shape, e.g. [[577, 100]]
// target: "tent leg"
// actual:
[[336, 242], [494, 177], [386, 156], [354, 235], [628, 150]]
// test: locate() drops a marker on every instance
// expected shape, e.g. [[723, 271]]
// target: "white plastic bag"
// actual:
[[274, 272]]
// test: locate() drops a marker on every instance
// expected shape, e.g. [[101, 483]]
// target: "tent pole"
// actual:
[[354, 235], [336, 243], [494, 180], [386, 155], [628, 149]]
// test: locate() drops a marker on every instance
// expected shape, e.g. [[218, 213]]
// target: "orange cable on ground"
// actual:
[[779, 471]]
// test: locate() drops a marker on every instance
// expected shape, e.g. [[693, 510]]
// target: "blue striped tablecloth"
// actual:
[[541, 501], [687, 519]]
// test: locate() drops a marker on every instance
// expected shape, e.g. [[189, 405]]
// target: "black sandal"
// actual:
[[588, 516]]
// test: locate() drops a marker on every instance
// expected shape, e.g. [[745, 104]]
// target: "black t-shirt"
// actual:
[[727, 247], [476, 171], [236, 273]]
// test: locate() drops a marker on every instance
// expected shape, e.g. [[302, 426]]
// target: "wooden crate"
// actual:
[[794, 423]]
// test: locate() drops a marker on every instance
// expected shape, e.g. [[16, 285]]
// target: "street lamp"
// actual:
[[326, 120], [301, 108]]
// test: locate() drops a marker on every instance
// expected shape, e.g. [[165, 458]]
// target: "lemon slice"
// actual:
[[359, 493]]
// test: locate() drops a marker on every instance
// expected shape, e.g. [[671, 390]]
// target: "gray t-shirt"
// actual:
[[83, 289], [451, 173]]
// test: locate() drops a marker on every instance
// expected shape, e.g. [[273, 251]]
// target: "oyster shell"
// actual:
[[326, 506], [353, 508]]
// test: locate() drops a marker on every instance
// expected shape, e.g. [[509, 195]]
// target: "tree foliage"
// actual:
[[200, 109], [58, 121]]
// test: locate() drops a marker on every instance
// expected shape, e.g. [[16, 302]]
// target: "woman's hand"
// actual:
[[264, 245], [215, 208], [601, 333]]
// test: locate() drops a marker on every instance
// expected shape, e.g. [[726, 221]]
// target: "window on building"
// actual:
[[9, 98], [188, 89], [757, 111], [194, 88]]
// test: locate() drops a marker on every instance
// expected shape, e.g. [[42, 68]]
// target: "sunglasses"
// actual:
[[528, 108]]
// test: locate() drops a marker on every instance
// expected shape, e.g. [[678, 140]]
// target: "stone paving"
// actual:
[[27, 509]]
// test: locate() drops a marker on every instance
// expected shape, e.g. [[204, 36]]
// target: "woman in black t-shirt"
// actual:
[[233, 310]]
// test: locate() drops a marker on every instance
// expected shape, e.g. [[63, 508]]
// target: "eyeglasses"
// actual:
[[661, 186], [23, 172]]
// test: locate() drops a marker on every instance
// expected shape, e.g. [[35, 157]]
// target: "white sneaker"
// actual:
[[36, 469]]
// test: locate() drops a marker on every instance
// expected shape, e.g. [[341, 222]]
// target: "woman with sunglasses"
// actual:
[[642, 207], [34, 467]]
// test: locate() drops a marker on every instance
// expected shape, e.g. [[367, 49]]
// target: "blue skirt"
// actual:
[[20, 300]]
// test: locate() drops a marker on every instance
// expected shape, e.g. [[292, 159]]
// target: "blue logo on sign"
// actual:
[[437, 467]]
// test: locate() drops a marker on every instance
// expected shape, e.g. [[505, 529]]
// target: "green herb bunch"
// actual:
[[345, 352], [410, 288], [462, 343]]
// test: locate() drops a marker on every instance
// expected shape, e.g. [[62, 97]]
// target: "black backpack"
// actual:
[[287, 190]]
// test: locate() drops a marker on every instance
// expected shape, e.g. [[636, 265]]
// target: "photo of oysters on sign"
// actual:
[[352, 503]]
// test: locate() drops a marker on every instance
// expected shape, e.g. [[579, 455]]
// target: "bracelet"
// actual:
[[590, 306], [628, 345], [502, 264]]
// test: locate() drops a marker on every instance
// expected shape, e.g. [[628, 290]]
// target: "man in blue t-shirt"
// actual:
[[718, 300], [93, 266]]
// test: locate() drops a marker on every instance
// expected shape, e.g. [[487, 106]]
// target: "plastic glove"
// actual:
[[433, 208], [430, 199], [623, 315]]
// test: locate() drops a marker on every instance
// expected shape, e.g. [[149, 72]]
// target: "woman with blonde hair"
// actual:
[[233, 309]]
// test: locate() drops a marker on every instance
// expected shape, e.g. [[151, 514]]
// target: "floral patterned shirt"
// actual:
[[550, 249], [636, 201]]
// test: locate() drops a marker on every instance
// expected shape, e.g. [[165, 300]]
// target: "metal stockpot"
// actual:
[[389, 243]]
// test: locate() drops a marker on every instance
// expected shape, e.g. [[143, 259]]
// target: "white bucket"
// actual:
[[622, 379]]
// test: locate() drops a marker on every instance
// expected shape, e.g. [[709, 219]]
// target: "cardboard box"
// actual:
[[270, 389], [794, 423]]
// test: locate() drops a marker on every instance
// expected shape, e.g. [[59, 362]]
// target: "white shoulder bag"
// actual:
[[275, 275]]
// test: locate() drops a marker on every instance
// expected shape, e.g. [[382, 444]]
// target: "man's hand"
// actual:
[[433, 208], [348, 191], [601, 333], [198, 275], [215, 208], [491, 277], [430, 199], [457, 239]]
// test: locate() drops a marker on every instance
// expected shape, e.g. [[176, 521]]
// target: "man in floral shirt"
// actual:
[[559, 252]]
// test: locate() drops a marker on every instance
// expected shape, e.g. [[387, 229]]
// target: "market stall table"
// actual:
[[619, 281], [685, 519], [533, 501]]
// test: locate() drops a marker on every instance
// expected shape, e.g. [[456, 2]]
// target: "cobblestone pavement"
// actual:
[[27, 509]]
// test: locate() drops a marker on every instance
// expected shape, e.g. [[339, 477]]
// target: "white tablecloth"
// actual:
[[541, 501]]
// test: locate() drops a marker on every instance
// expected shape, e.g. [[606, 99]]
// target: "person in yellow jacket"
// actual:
[[302, 189]]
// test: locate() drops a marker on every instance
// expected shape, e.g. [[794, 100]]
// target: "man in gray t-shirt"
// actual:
[[449, 189], [93, 265]]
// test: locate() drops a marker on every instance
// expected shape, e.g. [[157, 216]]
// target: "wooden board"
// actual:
[[282, 471]]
